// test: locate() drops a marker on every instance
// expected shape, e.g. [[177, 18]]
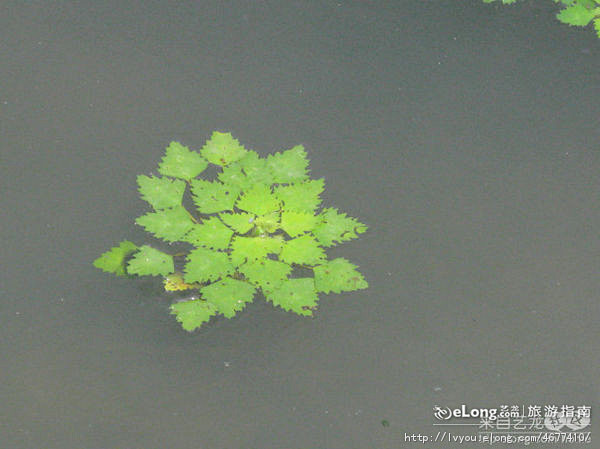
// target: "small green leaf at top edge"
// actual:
[[180, 162], [113, 261], [150, 261], [193, 314], [576, 15], [222, 149]]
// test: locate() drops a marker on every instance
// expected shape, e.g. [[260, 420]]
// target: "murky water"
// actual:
[[463, 134]]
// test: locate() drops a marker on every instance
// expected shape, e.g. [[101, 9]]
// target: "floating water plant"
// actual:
[[574, 12], [257, 226]]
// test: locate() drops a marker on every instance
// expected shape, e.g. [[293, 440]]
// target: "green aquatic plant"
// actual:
[[574, 12], [257, 226]]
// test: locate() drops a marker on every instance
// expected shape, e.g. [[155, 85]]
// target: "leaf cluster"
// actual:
[[258, 226], [574, 12]]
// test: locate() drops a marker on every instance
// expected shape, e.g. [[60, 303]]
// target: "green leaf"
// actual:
[[204, 265], [180, 162], [338, 275], [240, 223], [252, 248], [259, 200], [268, 223], [265, 273], [576, 14], [222, 149], [113, 261], [233, 175], [168, 224], [246, 172], [289, 166], [229, 295], [597, 26], [301, 197], [212, 233], [150, 261], [304, 250], [296, 223], [256, 169], [334, 227], [192, 314], [211, 197], [297, 295], [161, 193]]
